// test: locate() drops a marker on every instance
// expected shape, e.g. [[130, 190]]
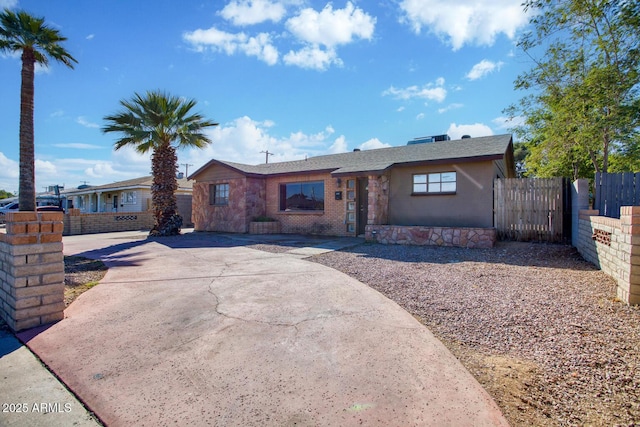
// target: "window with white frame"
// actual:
[[219, 194], [434, 183], [128, 197]]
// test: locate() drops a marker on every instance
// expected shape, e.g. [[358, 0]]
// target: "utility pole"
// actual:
[[186, 168], [266, 155]]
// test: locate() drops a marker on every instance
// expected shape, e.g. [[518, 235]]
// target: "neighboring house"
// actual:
[[133, 195], [435, 184]]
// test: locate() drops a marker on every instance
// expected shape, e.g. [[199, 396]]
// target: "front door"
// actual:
[[115, 203], [363, 204]]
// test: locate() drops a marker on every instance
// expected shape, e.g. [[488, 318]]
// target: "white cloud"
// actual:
[[331, 27], [338, 146], [483, 68], [465, 22], [420, 116], [84, 122], [259, 46], [430, 91], [79, 146], [90, 37], [243, 139], [8, 4], [474, 130], [249, 12], [450, 107], [312, 57], [372, 144]]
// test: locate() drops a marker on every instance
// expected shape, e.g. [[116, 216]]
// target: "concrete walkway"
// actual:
[[201, 330]]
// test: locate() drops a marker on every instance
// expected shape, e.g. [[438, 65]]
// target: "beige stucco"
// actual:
[[470, 206]]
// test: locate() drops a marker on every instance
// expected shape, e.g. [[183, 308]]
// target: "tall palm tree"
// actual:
[[21, 32], [156, 122]]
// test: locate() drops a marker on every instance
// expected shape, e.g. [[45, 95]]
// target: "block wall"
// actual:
[[613, 245], [32, 269], [106, 222]]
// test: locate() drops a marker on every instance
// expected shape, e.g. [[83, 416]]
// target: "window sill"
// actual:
[[444, 193], [300, 212]]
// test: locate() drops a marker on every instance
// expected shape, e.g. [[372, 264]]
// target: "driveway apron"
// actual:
[[183, 331]]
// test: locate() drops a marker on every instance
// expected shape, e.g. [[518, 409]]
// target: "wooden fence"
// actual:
[[613, 190], [532, 209]]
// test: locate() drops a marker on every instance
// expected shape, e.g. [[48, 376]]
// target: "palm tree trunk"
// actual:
[[27, 191], [163, 191]]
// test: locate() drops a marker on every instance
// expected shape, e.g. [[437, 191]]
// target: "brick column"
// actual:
[[629, 279], [32, 269]]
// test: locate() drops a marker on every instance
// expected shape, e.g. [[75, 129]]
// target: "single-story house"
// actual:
[[132, 195], [444, 184]]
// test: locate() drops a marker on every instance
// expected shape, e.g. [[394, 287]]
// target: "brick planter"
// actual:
[[266, 227]]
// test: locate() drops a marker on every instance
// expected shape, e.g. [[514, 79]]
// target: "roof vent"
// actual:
[[356, 149], [466, 137]]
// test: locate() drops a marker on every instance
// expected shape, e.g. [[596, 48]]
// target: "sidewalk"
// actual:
[[30, 395]]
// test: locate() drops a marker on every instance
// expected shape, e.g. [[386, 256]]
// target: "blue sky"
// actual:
[[294, 77]]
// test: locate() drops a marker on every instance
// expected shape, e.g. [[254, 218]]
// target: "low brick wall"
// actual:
[[264, 227], [463, 237], [613, 245], [31, 270], [105, 222]]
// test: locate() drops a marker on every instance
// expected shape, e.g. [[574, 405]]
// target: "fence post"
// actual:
[[579, 200]]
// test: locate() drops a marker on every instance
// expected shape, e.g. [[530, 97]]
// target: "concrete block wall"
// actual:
[[613, 245], [76, 222], [32, 269]]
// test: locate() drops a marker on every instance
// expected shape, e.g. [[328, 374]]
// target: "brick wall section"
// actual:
[[432, 236], [330, 222], [106, 222], [613, 245], [32, 269]]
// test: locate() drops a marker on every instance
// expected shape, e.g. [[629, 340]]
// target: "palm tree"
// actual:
[[21, 32], [154, 122]]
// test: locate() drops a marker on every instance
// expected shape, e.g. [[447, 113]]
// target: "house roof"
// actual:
[[129, 184], [378, 160]]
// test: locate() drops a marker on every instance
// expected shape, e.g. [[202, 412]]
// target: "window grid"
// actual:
[[219, 194], [433, 183]]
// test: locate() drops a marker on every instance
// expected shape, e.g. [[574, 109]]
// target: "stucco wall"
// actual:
[[471, 206]]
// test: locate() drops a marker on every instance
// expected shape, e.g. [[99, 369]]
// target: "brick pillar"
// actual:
[[75, 222], [629, 279], [32, 269]]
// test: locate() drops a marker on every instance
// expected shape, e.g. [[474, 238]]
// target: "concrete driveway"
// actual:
[[200, 330]]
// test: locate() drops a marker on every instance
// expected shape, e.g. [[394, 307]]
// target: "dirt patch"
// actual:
[[80, 275]]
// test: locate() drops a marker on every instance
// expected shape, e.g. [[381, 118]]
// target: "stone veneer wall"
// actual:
[[613, 245], [432, 236], [31, 269], [105, 222]]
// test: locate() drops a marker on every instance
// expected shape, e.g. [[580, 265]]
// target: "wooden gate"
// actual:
[[532, 209]]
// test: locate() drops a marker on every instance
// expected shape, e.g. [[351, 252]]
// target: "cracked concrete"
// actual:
[[192, 330]]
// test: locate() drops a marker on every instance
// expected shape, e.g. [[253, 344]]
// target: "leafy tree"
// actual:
[[583, 105], [21, 32], [155, 122], [5, 194]]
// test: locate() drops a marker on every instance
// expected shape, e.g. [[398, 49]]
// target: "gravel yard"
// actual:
[[539, 327]]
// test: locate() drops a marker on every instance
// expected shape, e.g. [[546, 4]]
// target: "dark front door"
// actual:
[[115, 203], [363, 204]]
